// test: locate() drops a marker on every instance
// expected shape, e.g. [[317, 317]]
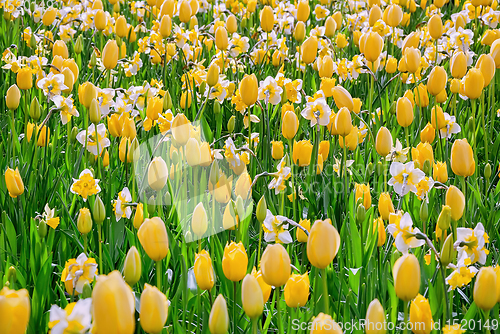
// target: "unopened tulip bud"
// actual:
[[444, 219], [99, 211], [369, 170], [424, 211], [93, 59], [167, 101], [35, 111], [379, 168], [231, 123], [79, 44], [375, 318], [251, 297], [12, 275], [487, 171], [42, 229], [86, 291], [12, 97], [360, 214], [84, 221], [95, 112], [485, 289], [448, 252], [406, 273], [132, 267], [218, 322]]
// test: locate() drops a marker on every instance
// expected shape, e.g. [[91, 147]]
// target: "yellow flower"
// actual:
[[77, 272], [85, 185]]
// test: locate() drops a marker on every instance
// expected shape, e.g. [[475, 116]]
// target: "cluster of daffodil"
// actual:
[[240, 166]]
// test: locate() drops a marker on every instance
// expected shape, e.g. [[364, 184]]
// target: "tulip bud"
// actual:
[[153, 309], [406, 274], [373, 46], [99, 211], [485, 289], [251, 297], [435, 26], [424, 211], [444, 219], [462, 158], [309, 50], [199, 220], [330, 27], [157, 173], [458, 65], [153, 238], [121, 27], [448, 252], [221, 39], [230, 124], [275, 265], [267, 19], [412, 59], [487, 171], [86, 93], [486, 65], [369, 170], [84, 222], [385, 206], [360, 214], [290, 125], [375, 318], [343, 98], [343, 122], [440, 172], [12, 97], [42, 229], [180, 129], [94, 112], [24, 78], [374, 15], [132, 267], [110, 55], [213, 75], [218, 322], [165, 26], [35, 111], [79, 44]]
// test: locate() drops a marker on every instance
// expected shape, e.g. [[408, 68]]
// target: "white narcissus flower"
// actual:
[[270, 91], [405, 177], [276, 229], [75, 318], [451, 127], [401, 228], [471, 243], [52, 84], [283, 174], [66, 107], [122, 209], [317, 111], [96, 141]]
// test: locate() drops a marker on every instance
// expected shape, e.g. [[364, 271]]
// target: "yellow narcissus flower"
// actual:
[[406, 274], [154, 239], [153, 309], [462, 158], [323, 243], [113, 305], [235, 261], [421, 315], [218, 322], [14, 310], [251, 297], [297, 290], [203, 271], [77, 272], [85, 185]]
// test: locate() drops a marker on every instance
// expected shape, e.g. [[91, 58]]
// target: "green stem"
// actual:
[[278, 307], [255, 325], [406, 317], [158, 275], [99, 234], [485, 137], [326, 298]]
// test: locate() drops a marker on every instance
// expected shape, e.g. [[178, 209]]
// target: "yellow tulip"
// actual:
[[323, 324], [412, 59], [330, 27], [323, 243], [14, 310], [379, 228], [84, 221], [309, 50], [427, 134], [110, 55], [218, 322], [235, 261], [301, 235], [458, 65], [115, 125], [69, 79], [393, 14], [437, 80], [12, 97], [342, 98], [299, 32], [374, 15], [153, 238], [343, 122], [60, 49], [275, 265], [391, 66], [231, 24], [266, 288], [290, 125], [302, 153], [113, 305], [86, 93], [199, 220], [249, 89], [385, 206], [221, 39], [49, 16], [14, 182], [153, 309], [435, 26], [157, 173], [277, 149], [375, 318], [303, 11], [325, 66], [203, 271], [132, 266], [337, 16], [362, 191], [373, 46], [495, 51], [121, 26], [485, 289], [497, 271], [455, 199], [251, 297], [422, 153], [440, 172], [404, 112], [462, 158], [421, 316], [180, 129], [193, 152], [267, 19], [165, 26], [486, 65], [341, 41], [406, 274], [24, 78], [185, 12], [383, 142], [297, 290], [213, 75], [411, 40], [100, 20]]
